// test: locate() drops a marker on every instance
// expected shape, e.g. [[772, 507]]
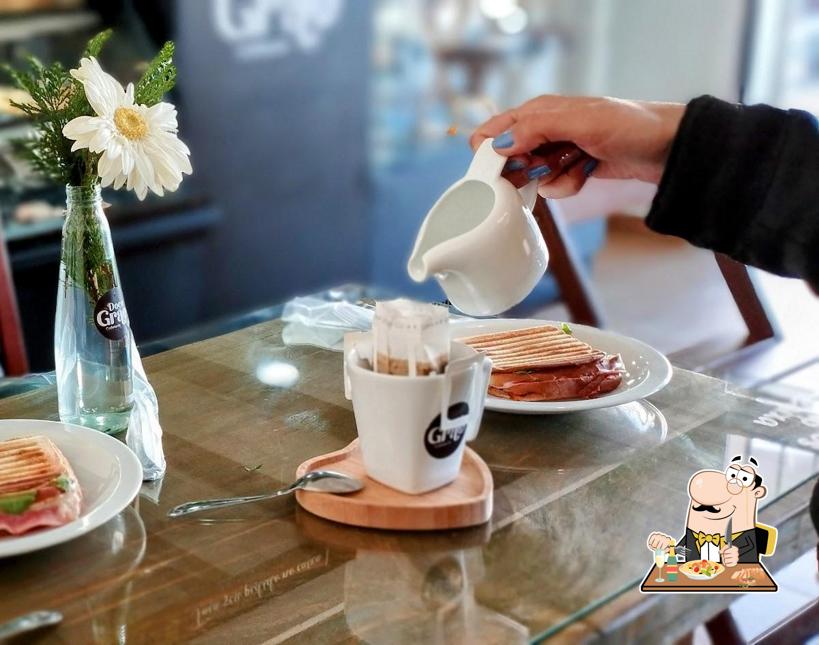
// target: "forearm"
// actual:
[[744, 181]]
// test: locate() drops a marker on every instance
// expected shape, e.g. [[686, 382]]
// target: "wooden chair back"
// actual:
[[576, 290], [12, 346]]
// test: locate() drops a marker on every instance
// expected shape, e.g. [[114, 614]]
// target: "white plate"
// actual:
[[647, 370], [108, 472], [699, 576]]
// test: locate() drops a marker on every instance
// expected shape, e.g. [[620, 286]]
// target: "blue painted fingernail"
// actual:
[[589, 166], [538, 171], [515, 164], [503, 140]]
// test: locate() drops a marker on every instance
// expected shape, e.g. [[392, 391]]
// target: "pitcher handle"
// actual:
[[487, 166], [528, 194]]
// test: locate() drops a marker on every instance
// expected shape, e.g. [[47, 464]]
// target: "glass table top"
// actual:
[[562, 558]]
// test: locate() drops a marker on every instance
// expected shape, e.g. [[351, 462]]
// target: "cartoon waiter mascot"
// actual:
[[723, 504]]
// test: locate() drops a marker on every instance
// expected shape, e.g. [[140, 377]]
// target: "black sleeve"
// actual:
[[744, 181]]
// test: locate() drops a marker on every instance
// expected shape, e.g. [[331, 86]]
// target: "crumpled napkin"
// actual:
[[144, 435], [322, 323]]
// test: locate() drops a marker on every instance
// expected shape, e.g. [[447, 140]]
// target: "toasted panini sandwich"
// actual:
[[37, 486], [546, 364]]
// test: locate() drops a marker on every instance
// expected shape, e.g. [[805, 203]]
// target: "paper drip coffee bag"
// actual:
[[410, 338]]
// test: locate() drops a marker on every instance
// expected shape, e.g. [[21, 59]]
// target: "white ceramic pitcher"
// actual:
[[480, 240]]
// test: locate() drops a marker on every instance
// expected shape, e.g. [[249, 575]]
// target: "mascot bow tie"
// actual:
[[714, 538], [717, 539]]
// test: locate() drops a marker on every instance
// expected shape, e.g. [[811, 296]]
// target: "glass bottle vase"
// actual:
[[92, 335]]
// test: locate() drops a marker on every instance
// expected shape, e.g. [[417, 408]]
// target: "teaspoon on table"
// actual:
[[29, 622], [319, 481]]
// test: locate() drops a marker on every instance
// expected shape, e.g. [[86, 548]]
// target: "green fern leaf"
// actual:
[[95, 45], [158, 79]]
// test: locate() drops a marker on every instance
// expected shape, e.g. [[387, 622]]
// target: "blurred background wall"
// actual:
[[278, 128], [323, 130]]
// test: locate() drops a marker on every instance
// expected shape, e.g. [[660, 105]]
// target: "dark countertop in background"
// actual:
[[164, 249], [124, 207]]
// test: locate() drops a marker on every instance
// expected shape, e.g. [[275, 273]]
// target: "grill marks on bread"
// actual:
[[533, 348], [28, 463]]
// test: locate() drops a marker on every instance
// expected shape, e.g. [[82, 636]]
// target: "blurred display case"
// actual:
[[166, 237]]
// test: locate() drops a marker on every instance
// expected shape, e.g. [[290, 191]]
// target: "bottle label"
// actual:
[[110, 315]]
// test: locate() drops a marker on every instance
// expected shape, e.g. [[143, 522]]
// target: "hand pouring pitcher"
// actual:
[[480, 240]]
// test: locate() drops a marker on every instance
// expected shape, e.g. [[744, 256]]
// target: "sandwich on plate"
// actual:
[[37, 486], [546, 364]]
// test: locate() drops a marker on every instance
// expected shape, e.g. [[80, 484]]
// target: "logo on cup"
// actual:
[[441, 443]]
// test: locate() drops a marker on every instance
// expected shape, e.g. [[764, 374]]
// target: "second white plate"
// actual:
[[647, 370], [108, 472]]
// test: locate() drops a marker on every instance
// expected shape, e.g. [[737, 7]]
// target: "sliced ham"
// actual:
[[584, 381], [54, 511]]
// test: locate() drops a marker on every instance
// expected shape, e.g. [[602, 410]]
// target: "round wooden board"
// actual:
[[465, 502]]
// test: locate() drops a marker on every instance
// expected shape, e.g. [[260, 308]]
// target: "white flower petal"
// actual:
[[114, 149], [167, 176], [145, 166], [108, 167], [140, 188], [102, 90], [102, 137], [136, 180], [171, 146], [127, 159], [80, 126], [119, 182], [174, 142], [162, 116]]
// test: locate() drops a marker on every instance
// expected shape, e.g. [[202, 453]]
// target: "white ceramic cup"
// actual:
[[480, 240], [412, 430]]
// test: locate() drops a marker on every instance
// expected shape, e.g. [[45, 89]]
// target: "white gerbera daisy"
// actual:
[[138, 144]]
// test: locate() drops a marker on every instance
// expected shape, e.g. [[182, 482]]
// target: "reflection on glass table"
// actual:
[[576, 496], [93, 576]]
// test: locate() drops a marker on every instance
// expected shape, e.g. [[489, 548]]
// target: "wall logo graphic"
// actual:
[[262, 29]]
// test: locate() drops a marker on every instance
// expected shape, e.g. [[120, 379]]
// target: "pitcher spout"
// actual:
[[425, 263]]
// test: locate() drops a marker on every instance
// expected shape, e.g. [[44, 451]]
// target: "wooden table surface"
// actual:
[[563, 556], [724, 582]]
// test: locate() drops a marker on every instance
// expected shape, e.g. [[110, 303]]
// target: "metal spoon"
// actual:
[[29, 622], [320, 481]]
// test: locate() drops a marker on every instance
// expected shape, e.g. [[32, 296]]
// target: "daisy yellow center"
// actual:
[[130, 123]]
